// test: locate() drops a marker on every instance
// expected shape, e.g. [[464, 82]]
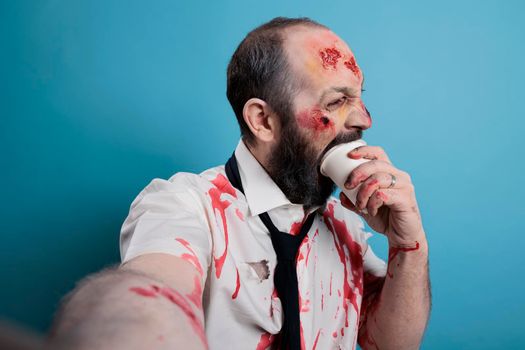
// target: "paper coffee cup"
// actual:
[[337, 166]]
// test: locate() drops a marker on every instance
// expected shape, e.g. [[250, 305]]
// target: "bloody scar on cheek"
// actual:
[[314, 119]]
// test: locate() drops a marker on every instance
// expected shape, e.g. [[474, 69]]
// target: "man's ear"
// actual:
[[261, 120]]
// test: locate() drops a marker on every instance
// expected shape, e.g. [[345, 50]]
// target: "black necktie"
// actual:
[[286, 246]]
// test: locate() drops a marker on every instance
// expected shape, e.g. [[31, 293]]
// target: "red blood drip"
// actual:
[[392, 253], [179, 300], [192, 258], [330, 283], [304, 304], [196, 295], [144, 292], [222, 183], [237, 286], [176, 298], [265, 341], [352, 65], [330, 57], [339, 229], [334, 334], [315, 120], [302, 335], [222, 186], [296, 228], [239, 214], [309, 247], [316, 339]]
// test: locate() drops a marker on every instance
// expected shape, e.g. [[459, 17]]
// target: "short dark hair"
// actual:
[[259, 68]]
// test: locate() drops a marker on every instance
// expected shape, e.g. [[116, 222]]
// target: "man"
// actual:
[[203, 262]]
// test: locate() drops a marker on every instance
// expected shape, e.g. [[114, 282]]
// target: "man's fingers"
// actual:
[[369, 186], [365, 170], [369, 152]]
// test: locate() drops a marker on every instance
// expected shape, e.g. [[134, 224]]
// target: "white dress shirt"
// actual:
[[203, 219]]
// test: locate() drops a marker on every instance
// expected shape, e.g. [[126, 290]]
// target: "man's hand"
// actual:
[[392, 211]]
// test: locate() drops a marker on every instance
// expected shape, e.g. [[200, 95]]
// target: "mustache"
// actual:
[[339, 139]]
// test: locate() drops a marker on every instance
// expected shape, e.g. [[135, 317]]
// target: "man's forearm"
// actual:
[[398, 315], [119, 309]]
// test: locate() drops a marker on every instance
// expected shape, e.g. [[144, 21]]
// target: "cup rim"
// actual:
[[359, 143]]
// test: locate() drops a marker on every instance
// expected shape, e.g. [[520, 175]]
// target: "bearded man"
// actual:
[[257, 253]]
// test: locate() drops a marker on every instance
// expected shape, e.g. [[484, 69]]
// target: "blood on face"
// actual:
[[330, 57], [314, 119]]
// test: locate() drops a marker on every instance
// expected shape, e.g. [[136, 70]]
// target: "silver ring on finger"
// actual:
[[394, 180]]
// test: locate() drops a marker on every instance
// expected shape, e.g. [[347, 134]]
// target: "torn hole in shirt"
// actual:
[[259, 269]]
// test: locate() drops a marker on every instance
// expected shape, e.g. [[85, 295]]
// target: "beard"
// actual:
[[294, 165]]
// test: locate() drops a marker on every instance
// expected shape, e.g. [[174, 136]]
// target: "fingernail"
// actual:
[[348, 184]]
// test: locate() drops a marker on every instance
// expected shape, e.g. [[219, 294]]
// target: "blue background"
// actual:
[[100, 97]]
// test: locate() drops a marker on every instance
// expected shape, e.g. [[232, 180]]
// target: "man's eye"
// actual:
[[336, 103]]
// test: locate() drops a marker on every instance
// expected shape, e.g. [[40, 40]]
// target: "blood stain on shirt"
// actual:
[[330, 57], [342, 237], [237, 285], [196, 294], [239, 214], [265, 341], [192, 258], [316, 339], [222, 185]]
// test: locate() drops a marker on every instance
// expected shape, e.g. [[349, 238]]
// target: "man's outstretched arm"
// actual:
[[396, 316], [152, 301]]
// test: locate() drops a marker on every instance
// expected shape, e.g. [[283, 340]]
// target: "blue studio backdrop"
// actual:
[[97, 98]]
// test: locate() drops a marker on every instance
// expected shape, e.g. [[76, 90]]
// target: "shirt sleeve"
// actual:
[[168, 217]]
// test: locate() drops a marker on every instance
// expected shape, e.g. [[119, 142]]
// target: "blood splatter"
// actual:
[[301, 332], [237, 286], [316, 339], [394, 251], [192, 258], [144, 292], [295, 229], [196, 294], [344, 238], [314, 119], [352, 65], [239, 214], [330, 57], [179, 300], [265, 341], [309, 247], [222, 185]]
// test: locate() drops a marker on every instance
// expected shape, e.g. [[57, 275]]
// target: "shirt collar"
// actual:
[[262, 193]]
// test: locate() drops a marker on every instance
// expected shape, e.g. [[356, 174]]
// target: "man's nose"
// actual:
[[359, 117]]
